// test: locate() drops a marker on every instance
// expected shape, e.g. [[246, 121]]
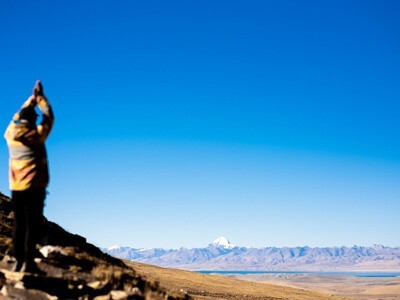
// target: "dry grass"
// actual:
[[207, 287]]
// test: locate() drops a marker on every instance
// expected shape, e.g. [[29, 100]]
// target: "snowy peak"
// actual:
[[115, 247], [222, 242]]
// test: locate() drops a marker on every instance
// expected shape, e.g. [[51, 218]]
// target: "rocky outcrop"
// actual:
[[73, 269]]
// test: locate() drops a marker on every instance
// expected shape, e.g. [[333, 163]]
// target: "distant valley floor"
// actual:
[[365, 288]]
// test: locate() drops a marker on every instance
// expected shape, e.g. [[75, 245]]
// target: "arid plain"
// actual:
[[360, 288]]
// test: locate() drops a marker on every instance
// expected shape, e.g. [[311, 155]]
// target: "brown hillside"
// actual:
[[213, 287]]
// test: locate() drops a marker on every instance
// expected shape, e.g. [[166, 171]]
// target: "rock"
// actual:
[[135, 292], [46, 250], [95, 284], [119, 295], [74, 269], [12, 276], [25, 294]]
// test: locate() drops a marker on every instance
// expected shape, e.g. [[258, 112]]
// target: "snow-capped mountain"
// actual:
[[222, 242], [134, 254], [222, 255]]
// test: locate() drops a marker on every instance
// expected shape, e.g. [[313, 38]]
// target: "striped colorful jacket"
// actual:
[[28, 157]]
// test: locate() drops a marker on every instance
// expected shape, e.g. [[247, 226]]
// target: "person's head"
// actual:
[[28, 114]]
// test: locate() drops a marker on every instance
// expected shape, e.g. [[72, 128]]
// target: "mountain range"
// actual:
[[222, 255]]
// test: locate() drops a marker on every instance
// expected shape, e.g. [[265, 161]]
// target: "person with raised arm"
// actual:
[[28, 175]]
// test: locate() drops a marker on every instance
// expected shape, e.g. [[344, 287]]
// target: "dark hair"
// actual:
[[29, 114]]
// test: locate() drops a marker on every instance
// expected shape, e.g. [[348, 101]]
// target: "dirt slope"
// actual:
[[207, 287]]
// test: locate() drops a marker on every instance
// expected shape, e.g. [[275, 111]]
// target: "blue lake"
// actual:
[[355, 274]]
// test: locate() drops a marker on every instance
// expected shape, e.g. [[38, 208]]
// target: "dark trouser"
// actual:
[[28, 209]]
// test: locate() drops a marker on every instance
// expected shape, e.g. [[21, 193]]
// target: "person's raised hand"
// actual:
[[38, 89]]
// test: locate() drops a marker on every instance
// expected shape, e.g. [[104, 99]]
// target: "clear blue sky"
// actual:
[[274, 123]]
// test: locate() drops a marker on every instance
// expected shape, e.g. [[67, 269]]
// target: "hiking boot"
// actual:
[[31, 268], [17, 266]]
